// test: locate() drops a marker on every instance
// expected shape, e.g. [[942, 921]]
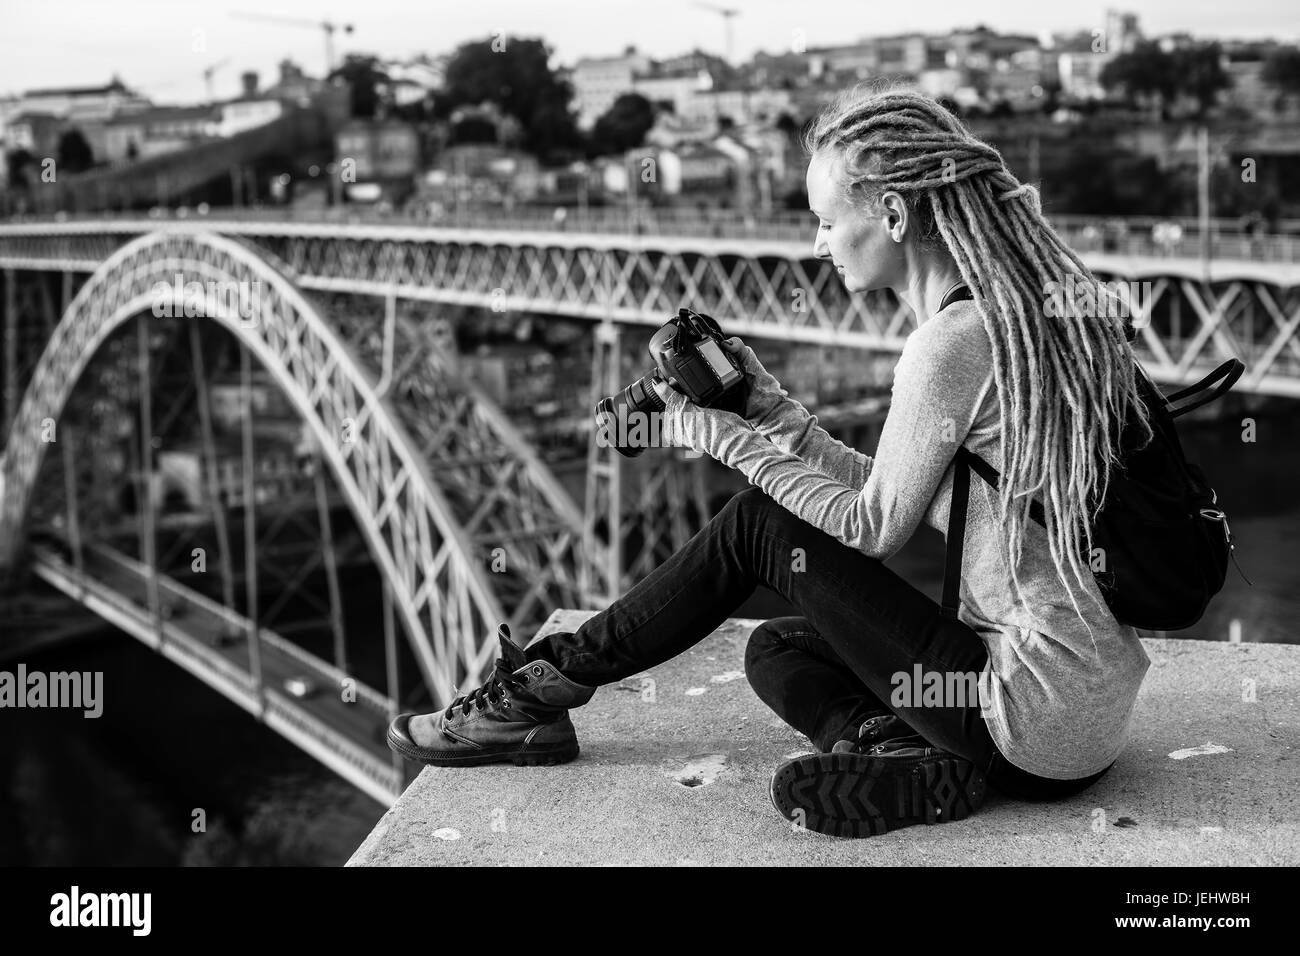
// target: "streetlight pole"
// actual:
[[1203, 195]]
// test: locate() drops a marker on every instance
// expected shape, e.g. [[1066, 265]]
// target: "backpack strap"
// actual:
[[960, 498], [963, 462], [991, 475], [1229, 372], [957, 293], [956, 535]]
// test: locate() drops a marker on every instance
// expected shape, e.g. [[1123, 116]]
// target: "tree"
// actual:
[[1146, 71], [367, 82], [473, 128], [1198, 73], [1093, 178], [73, 152], [1051, 96], [16, 164], [515, 74], [1282, 70], [623, 126], [1149, 72]]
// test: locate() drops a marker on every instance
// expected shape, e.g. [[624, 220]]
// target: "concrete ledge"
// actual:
[[620, 804]]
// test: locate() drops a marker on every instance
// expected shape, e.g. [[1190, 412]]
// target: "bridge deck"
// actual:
[[348, 736], [1135, 266], [619, 804]]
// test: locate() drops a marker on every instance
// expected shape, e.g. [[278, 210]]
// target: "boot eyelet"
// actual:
[[537, 670]]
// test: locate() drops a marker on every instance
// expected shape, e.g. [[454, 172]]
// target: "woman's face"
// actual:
[[859, 243]]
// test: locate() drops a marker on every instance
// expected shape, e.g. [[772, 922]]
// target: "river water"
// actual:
[[132, 787]]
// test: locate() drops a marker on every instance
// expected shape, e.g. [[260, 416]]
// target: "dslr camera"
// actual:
[[689, 357]]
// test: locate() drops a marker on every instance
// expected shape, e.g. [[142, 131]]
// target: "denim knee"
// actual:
[[762, 640], [751, 500]]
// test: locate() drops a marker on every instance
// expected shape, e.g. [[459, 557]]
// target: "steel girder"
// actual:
[[524, 525], [761, 289], [440, 582]]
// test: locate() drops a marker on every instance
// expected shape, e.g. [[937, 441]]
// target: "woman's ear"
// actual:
[[896, 218]]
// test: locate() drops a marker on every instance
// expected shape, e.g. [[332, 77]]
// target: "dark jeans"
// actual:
[[824, 672]]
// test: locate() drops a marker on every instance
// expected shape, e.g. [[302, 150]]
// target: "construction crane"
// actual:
[[207, 75], [727, 14], [328, 26]]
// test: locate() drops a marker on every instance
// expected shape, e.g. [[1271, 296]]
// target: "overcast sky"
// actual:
[[151, 43]]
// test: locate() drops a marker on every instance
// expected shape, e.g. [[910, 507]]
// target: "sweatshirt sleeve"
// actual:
[[937, 383], [788, 425]]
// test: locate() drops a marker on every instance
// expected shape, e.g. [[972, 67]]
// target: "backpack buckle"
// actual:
[[1214, 514]]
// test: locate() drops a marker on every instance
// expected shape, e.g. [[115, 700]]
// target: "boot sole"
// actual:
[[857, 795], [544, 755]]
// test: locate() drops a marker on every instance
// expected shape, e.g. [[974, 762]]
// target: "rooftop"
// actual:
[[116, 86], [680, 777]]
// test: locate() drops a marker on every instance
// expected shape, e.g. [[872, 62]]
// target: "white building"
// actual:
[[675, 90], [92, 103], [1080, 73], [761, 105], [240, 115], [599, 81]]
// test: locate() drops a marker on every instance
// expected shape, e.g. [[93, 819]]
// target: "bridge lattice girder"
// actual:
[[757, 288]]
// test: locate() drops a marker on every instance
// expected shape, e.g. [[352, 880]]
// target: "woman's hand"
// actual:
[[765, 392], [690, 426]]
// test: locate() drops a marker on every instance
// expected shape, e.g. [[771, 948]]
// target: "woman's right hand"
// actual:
[[765, 393]]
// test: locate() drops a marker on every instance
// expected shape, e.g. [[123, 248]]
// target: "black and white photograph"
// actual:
[[736, 434]]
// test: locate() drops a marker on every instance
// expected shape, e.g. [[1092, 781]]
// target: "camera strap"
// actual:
[[958, 292]]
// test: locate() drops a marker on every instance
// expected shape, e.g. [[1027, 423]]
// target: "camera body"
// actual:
[[688, 356]]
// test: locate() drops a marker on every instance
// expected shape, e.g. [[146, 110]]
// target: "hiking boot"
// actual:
[[877, 783], [519, 715], [878, 730]]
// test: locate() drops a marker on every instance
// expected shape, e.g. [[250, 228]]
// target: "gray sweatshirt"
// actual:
[[1059, 690]]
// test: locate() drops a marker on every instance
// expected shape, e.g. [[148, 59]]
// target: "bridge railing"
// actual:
[[1228, 238]]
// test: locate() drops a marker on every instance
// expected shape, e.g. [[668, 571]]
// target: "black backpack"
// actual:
[[1166, 543]]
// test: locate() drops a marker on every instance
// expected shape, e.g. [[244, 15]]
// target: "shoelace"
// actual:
[[491, 691], [867, 742]]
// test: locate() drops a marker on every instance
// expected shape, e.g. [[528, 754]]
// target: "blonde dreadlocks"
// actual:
[[1065, 385]]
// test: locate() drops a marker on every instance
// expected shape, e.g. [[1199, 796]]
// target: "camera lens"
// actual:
[[630, 418]]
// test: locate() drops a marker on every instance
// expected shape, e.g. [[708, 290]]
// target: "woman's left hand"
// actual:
[[691, 426]]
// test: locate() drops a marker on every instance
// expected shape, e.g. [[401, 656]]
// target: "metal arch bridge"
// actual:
[[430, 469]]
